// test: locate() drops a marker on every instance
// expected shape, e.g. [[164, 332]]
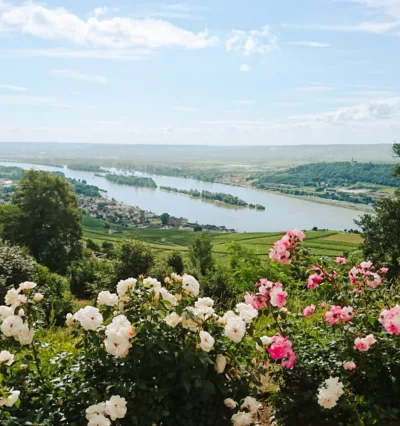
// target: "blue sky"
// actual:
[[255, 72]]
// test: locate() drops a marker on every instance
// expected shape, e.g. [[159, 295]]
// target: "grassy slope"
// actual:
[[326, 243]]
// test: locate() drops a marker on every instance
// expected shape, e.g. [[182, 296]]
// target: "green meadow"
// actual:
[[324, 243]]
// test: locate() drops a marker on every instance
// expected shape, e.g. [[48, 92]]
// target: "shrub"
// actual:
[[175, 261], [16, 266]]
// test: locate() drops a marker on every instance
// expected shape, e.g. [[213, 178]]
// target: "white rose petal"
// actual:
[[6, 357], [173, 319], [116, 407], [220, 363], [230, 403], [190, 285], [206, 341], [235, 329]]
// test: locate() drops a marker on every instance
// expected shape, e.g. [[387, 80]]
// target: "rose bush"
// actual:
[[322, 349]]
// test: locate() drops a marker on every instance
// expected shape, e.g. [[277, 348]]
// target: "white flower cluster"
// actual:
[[107, 299], [243, 418], [124, 287], [7, 358], [190, 285], [330, 392], [114, 408], [12, 323], [118, 334]]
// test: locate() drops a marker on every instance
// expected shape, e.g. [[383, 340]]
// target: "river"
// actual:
[[281, 212]]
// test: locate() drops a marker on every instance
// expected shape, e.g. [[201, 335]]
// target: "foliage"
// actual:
[[16, 266], [56, 304], [200, 253], [175, 261], [132, 258], [90, 244], [48, 220], [219, 284], [131, 180], [85, 167], [164, 218], [381, 232]]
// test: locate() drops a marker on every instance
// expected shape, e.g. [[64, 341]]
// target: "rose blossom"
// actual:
[[6, 357], [349, 365], [242, 419], [206, 341], [235, 329], [116, 407], [230, 403], [278, 297], [220, 363], [309, 310], [390, 319], [363, 344], [341, 260], [251, 404]]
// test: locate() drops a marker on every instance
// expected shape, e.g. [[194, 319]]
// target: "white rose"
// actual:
[[6, 357], [21, 300], [95, 409], [235, 329], [251, 404], [246, 312], [242, 419], [206, 341], [38, 297], [266, 341], [220, 363], [117, 345], [189, 323], [152, 284], [173, 319], [89, 318], [230, 403], [106, 298], [116, 407], [124, 285], [121, 325], [99, 420], [10, 400], [11, 326], [227, 316], [25, 335], [190, 285], [69, 320], [21, 313], [12, 297], [176, 277], [27, 285], [204, 302], [166, 295], [5, 312]]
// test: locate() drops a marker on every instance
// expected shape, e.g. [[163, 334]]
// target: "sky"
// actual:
[[254, 72]]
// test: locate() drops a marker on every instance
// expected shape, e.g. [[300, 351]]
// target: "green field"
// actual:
[[324, 243]]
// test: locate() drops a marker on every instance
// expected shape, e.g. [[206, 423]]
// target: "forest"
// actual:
[[333, 174]]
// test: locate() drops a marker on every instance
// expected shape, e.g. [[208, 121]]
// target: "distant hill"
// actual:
[[182, 154]]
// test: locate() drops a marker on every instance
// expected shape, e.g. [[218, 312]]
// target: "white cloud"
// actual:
[[389, 7], [100, 11], [312, 44], [114, 55], [252, 42], [185, 109], [244, 68], [14, 88], [314, 88], [364, 27], [117, 32], [74, 75], [245, 102]]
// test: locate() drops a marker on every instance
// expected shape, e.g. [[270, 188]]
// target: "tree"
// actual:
[[164, 218], [381, 233], [90, 244], [45, 219], [175, 261], [132, 258], [200, 253]]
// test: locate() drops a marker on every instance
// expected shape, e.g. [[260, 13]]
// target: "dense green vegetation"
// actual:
[[182, 172], [44, 217], [334, 174], [11, 173], [216, 196], [85, 167], [131, 180]]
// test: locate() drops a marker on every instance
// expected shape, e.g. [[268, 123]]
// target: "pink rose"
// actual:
[[309, 310], [278, 297], [341, 260], [349, 365]]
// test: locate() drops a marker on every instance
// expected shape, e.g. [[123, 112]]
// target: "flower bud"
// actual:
[[38, 297]]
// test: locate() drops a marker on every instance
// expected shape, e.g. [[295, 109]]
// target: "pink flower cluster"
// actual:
[[281, 348], [364, 343], [341, 260], [316, 279], [364, 274], [267, 290], [349, 365], [309, 310], [281, 251], [390, 319], [339, 314]]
